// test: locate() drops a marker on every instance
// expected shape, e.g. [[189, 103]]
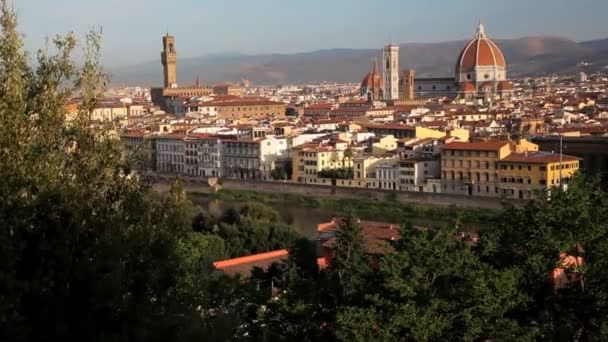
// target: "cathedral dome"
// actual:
[[467, 87], [505, 85], [480, 52]]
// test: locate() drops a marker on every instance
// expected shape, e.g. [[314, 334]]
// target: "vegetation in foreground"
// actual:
[[88, 253]]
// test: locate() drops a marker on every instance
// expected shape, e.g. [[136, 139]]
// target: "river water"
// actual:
[[305, 220]]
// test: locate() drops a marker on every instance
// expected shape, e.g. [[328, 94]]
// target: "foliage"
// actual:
[[369, 209], [85, 252], [254, 228], [278, 173], [340, 173]]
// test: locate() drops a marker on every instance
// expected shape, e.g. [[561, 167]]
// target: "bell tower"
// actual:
[[391, 72], [410, 76], [169, 60]]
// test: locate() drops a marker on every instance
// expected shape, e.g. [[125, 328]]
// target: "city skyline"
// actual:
[[271, 26]]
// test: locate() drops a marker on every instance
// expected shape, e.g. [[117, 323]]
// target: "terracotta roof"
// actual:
[[389, 126], [505, 85], [244, 265], [479, 146], [537, 158], [466, 87], [376, 234], [171, 136], [481, 51]]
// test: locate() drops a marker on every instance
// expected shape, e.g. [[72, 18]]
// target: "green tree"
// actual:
[[85, 252], [351, 260], [435, 287], [532, 237], [278, 173]]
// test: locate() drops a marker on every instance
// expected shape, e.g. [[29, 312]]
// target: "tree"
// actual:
[[351, 261], [278, 173], [85, 252], [532, 237], [434, 287]]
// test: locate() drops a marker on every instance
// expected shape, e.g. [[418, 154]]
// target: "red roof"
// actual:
[[479, 146], [537, 158], [505, 85], [467, 87], [244, 265], [390, 126], [481, 51]]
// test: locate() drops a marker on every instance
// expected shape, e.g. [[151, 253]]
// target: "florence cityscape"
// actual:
[[268, 171]]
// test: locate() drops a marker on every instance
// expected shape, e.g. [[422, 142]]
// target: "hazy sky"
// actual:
[[132, 29]]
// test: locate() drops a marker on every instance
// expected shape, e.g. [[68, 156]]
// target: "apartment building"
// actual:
[[311, 158], [472, 168], [520, 174], [415, 173], [170, 157]]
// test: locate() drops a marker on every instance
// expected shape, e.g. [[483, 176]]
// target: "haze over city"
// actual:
[[131, 27]]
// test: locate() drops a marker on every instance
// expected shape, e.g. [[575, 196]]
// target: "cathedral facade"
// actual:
[[480, 73]]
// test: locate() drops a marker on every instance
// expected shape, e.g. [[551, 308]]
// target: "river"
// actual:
[[305, 219]]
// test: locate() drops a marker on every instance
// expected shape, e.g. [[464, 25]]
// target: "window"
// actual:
[[486, 76], [468, 76]]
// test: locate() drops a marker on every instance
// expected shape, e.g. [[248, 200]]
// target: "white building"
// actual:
[[170, 157], [415, 173]]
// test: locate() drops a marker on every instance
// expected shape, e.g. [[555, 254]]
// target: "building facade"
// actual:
[[472, 168]]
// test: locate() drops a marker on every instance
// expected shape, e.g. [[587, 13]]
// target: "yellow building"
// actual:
[[522, 173], [525, 146], [310, 159], [384, 144], [422, 132], [249, 109], [228, 89], [472, 168]]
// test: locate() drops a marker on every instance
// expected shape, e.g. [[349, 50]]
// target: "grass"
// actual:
[[371, 209]]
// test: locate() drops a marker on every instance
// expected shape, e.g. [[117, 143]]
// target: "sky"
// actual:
[[132, 29]]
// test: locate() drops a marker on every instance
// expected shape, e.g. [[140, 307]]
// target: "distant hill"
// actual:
[[525, 56]]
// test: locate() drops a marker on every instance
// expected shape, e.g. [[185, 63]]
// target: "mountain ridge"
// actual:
[[526, 56]]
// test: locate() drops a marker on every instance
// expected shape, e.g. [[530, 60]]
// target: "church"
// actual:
[[480, 73]]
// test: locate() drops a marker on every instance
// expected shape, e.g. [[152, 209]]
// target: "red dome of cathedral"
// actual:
[[481, 51], [368, 80]]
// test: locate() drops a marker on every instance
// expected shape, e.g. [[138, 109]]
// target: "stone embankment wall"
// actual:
[[203, 185]]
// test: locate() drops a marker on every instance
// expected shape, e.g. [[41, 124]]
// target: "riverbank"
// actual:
[[388, 209]]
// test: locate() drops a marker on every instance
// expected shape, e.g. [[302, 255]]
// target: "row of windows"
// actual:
[[174, 148], [469, 176], [459, 153], [467, 163], [171, 157]]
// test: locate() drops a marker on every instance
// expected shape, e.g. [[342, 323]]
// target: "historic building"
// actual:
[[166, 96], [372, 86], [480, 73], [481, 69]]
